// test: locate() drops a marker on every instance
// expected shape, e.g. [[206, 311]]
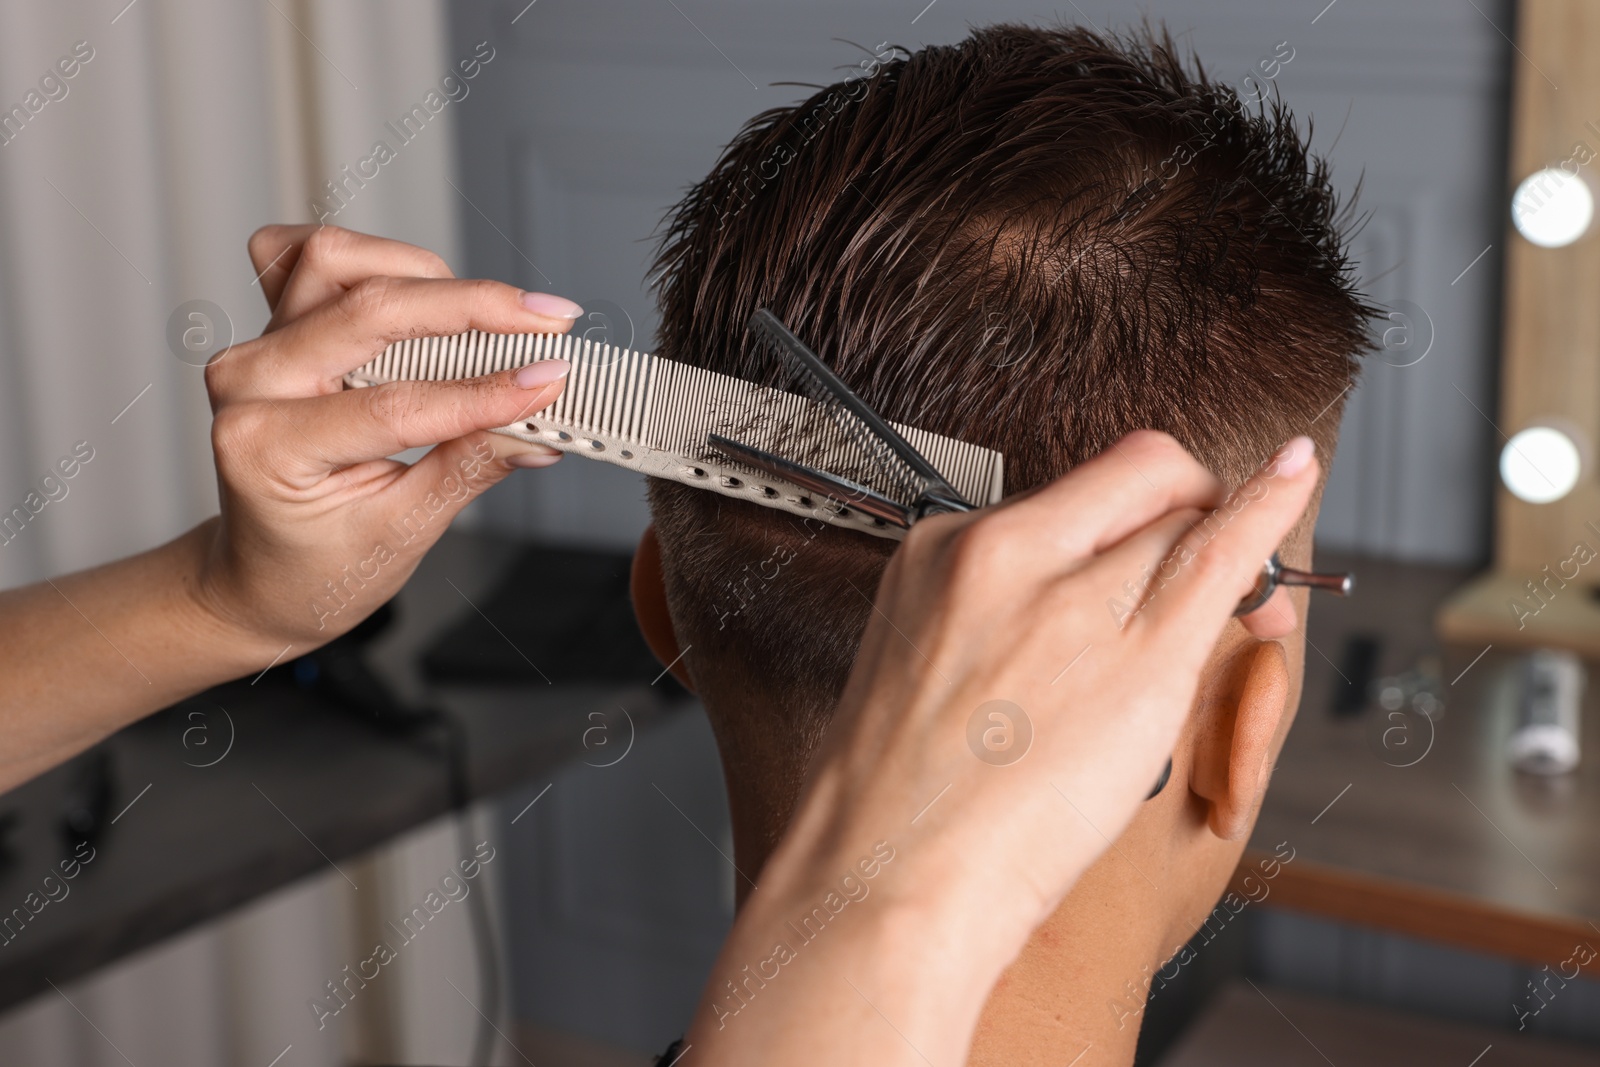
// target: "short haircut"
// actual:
[[1036, 240]]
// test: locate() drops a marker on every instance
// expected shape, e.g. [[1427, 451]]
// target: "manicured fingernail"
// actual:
[[542, 373], [1293, 457], [533, 459], [553, 307]]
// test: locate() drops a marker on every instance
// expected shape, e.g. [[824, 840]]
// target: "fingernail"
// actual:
[[542, 373], [533, 460], [1293, 457], [553, 307]]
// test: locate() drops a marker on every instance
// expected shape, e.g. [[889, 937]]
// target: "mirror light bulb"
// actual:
[[1540, 465], [1552, 207]]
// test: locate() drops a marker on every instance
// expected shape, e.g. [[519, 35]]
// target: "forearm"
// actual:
[[897, 976], [882, 990], [85, 654]]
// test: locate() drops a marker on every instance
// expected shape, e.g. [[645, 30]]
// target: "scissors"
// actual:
[[924, 491], [920, 490]]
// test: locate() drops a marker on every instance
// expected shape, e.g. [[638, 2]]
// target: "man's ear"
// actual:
[[1233, 752], [649, 595]]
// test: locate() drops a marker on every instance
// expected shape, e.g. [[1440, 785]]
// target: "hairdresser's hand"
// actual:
[[1008, 604], [318, 528]]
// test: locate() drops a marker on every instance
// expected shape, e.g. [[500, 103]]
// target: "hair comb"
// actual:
[[821, 452], [799, 453]]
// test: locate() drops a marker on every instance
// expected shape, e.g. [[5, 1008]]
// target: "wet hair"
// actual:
[[1036, 240]]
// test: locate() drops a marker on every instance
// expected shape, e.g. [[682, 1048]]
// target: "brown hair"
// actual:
[[1036, 240]]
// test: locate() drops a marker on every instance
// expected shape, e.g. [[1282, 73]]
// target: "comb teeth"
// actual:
[[607, 392], [652, 415]]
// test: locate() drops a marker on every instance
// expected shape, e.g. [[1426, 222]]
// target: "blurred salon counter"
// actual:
[[1405, 823], [226, 797], [1420, 825]]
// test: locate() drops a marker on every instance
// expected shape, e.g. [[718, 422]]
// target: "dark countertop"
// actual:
[[1423, 827]]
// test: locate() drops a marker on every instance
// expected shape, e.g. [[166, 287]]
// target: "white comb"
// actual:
[[652, 415]]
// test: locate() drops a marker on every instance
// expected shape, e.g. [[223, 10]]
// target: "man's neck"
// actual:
[[1076, 990], [1075, 995]]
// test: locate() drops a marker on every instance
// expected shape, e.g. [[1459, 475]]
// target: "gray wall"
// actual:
[[599, 116]]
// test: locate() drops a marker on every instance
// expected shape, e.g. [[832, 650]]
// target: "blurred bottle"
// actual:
[[1547, 734]]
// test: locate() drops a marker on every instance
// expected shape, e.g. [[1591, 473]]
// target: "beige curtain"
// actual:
[[128, 191], [133, 193]]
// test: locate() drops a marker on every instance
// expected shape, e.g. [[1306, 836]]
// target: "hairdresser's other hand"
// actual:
[[1010, 605], [318, 528]]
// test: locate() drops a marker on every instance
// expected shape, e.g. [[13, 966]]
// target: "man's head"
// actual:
[[1037, 241]]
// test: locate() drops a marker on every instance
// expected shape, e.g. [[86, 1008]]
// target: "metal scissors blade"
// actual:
[[840, 490], [932, 491]]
